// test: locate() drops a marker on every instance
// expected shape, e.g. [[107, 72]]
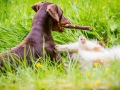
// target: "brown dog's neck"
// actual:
[[41, 26]]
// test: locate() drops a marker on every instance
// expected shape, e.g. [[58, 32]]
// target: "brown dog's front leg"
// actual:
[[50, 51]]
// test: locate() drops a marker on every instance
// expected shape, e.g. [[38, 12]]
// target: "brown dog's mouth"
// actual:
[[59, 26], [62, 28], [62, 25]]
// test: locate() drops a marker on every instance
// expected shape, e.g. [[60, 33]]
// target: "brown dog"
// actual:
[[48, 17]]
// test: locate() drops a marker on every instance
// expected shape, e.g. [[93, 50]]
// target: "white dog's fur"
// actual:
[[91, 51]]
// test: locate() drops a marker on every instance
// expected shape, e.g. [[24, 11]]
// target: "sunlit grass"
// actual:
[[15, 23]]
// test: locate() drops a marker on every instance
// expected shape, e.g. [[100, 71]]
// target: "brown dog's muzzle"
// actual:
[[59, 26]]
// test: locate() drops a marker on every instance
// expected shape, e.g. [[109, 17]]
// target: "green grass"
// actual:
[[104, 17]]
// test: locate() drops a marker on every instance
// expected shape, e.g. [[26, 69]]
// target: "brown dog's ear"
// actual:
[[37, 6], [54, 11]]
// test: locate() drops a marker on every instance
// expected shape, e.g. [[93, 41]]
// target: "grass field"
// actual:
[[104, 17]]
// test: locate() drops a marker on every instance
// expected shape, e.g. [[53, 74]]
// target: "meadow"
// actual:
[[104, 17]]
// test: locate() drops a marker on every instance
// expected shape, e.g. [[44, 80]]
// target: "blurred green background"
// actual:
[[104, 17]]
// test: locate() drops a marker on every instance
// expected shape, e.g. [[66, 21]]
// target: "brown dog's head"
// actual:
[[55, 12]]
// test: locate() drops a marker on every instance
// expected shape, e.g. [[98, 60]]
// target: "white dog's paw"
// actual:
[[60, 47], [56, 47]]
